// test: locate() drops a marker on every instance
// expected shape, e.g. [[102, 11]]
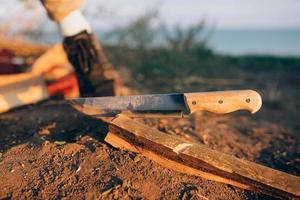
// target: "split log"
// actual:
[[199, 160]]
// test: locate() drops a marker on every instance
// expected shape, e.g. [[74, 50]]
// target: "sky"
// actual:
[[220, 14]]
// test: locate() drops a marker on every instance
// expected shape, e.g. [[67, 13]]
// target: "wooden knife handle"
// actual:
[[224, 102]]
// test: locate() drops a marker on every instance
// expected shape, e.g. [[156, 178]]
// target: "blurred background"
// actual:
[[232, 27], [183, 46]]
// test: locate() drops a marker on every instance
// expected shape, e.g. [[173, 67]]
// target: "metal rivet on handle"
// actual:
[[248, 100], [194, 102], [220, 101]]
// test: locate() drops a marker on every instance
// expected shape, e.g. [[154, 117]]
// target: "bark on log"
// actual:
[[196, 159]]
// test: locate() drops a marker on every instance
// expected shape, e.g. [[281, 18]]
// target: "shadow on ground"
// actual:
[[50, 120]]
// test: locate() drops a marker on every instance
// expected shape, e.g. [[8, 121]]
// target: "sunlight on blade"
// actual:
[[138, 106]]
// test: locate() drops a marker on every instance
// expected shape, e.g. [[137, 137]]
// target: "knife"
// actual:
[[175, 105]]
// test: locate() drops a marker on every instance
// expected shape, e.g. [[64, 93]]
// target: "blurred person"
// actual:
[[96, 76]]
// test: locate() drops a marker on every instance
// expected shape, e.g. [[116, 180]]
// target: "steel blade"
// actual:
[[165, 104]]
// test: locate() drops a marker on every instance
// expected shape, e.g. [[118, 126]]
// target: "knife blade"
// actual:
[[180, 104]]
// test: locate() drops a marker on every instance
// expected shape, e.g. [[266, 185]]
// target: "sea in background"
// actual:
[[258, 42], [231, 42]]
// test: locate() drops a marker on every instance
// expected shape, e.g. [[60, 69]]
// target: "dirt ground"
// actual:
[[50, 151]]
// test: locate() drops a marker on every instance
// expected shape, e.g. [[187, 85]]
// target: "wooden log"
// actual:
[[196, 159], [19, 90], [17, 78]]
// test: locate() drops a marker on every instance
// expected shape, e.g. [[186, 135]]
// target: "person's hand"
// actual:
[[53, 64]]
